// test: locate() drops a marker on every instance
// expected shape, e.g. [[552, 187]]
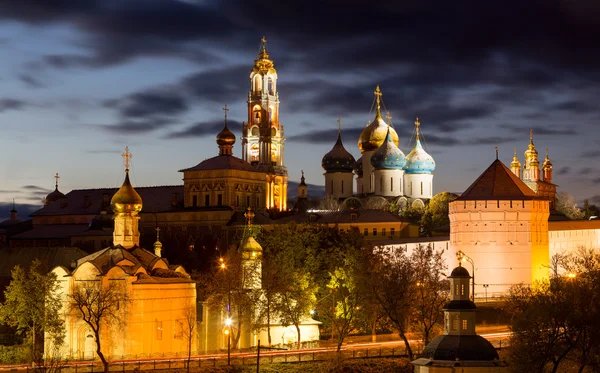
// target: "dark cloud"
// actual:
[[591, 154], [162, 103], [130, 127], [36, 188], [205, 129], [586, 171], [30, 81], [539, 130], [11, 104], [576, 107], [563, 170]]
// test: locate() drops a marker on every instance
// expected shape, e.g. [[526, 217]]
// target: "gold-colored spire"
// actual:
[[496, 148], [126, 158], [56, 183], [339, 121], [531, 153], [547, 164], [378, 95], [263, 54], [417, 129], [515, 162]]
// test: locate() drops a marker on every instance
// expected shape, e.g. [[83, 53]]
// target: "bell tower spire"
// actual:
[[263, 134]]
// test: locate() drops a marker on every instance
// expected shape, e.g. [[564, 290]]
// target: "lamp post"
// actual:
[[465, 258], [228, 319], [485, 286]]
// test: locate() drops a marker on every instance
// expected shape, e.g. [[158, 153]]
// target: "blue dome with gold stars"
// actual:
[[418, 161], [388, 156], [358, 167]]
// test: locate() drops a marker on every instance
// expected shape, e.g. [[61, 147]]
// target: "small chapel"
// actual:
[[152, 300], [459, 348]]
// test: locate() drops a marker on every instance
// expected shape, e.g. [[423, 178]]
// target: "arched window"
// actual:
[[271, 86], [257, 84]]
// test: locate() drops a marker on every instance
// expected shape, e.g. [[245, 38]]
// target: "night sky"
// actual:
[[81, 79]]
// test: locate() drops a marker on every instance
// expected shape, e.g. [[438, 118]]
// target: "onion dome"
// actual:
[[54, 195], [126, 199], [338, 159], [531, 153], [388, 156], [418, 161], [547, 165], [225, 138], [251, 245], [515, 162], [358, 167], [374, 134]]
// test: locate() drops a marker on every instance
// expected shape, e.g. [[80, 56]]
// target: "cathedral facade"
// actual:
[[383, 170]]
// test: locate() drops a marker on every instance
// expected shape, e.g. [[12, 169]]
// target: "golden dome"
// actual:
[[225, 137], [126, 199], [375, 133], [547, 165], [531, 152], [515, 162]]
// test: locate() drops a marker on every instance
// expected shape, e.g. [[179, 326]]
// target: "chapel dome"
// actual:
[[54, 196], [418, 161], [338, 159], [460, 271], [374, 134], [225, 137], [388, 156], [126, 199], [460, 347]]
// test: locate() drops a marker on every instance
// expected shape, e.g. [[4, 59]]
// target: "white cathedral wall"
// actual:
[[418, 185], [368, 178], [568, 236], [389, 183], [339, 184]]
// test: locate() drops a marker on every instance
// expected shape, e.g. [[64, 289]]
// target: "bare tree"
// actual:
[[431, 291], [188, 325], [100, 306], [565, 203], [329, 203], [392, 282]]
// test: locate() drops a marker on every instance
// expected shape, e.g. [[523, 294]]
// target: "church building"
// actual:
[[383, 170]]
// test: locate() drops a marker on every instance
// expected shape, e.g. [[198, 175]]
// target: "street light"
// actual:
[[485, 286], [228, 319], [465, 258]]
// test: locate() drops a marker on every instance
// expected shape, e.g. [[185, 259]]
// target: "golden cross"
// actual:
[[417, 123], [225, 110], [495, 147], [302, 172], [56, 177], [263, 40], [126, 157], [531, 135], [157, 233], [339, 123], [378, 95], [546, 152], [249, 216]]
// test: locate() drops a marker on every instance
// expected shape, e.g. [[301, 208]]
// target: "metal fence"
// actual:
[[293, 356]]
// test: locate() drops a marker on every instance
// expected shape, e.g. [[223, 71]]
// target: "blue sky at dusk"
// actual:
[[80, 80]]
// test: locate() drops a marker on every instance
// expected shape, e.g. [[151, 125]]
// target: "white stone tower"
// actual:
[[263, 135]]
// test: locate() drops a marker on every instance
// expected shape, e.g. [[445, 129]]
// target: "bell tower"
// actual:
[[263, 135]]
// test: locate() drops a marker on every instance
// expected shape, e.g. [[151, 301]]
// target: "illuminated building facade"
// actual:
[[158, 299], [263, 134]]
